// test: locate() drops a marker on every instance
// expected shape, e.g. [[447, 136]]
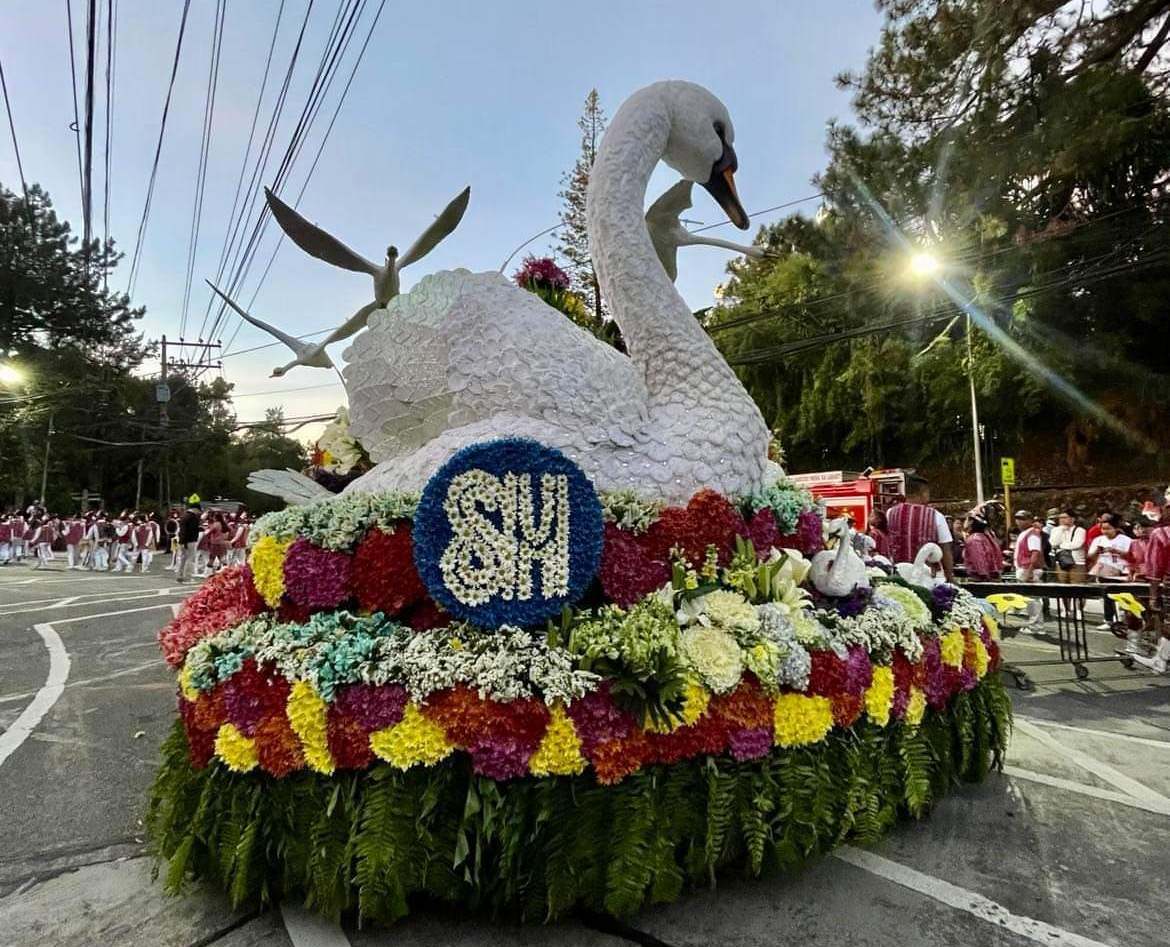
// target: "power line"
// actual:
[[137, 256], [766, 210], [271, 345], [16, 146], [76, 126], [111, 33], [87, 175], [244, 166], [204, 154], [284, 391]]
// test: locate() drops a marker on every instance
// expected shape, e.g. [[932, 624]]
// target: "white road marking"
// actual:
[[125, 672], [1085, 789], [139, 596], [306, 929], [1145, 741], [54, 685], [128, 611], [960, 898], [1115, 777]]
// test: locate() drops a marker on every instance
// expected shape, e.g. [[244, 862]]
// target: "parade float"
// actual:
[[573, 642]]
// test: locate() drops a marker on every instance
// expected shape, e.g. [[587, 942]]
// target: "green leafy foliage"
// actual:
[[370, 843]]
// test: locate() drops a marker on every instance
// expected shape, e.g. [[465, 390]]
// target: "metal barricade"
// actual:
[[1069, 608]]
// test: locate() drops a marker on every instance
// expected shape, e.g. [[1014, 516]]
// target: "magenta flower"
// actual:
[[763, 532], [858, 670], [750, 743], [541, 273], [372, 706], [501, 756], [598, 720], [316, 578]]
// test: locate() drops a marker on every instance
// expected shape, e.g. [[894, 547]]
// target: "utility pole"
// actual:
[[974, 419], [138, 489], [45, 466]]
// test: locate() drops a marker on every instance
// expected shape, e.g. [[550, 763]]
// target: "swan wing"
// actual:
[[465, 347], [291, 341], [315, 241], [290, 485], [447, 221]]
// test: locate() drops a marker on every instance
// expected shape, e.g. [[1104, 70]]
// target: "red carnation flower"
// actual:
[[614, 760], [708, 519], [427, 615], [846, 709], [226, 599], [746, 707], [210, 712], [349, 744], [764, 533], [707, 736], [292, 612], [460, 712], [200, 742], [827, 675], [250, 695], [628, 572], [384, 576]]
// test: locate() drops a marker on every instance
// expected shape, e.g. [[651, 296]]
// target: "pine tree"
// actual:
[[573, 242]]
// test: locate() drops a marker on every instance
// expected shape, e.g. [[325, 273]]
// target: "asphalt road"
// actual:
[[1069, 847]]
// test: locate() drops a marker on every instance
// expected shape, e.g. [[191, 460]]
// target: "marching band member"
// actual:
[[239, 543], [5, 539], [19, 528], [43, 536], [122, 539], [143, 543], [74, 529]]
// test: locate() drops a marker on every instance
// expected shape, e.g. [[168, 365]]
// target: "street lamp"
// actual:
[[10, 375], [925, 265]]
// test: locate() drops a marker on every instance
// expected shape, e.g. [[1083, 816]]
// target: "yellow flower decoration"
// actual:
[[1128, 602], [307, 715], [1005, 602], [952, 645], [415, 739], [800, 720], [235, 749], [559, 753], [880, 696], [915, 706], [186, 688], [982, 658], [992, 627], [695, 701], [267, 562]]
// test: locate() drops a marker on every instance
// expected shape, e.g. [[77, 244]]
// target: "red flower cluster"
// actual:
[[226, 599], [708, 519], [384, 576]]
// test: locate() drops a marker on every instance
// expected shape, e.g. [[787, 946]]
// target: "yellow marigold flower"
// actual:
[[800, 719], [235, 749], [982, 658], [880, 696], [915, 706], [695, 701], [186, 688], [267, 562], [559, 753], [952, 645], [415, 739], [992, 627], [308, 716]]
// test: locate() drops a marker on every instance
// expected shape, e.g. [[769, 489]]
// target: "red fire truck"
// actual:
[[855, 493]]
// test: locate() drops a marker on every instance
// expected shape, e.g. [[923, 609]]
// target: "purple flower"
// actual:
[[938, 689], [763, 532], [243, 705], [967, 679], [373, 707], [809, 531], [542, 273], [858, 670], [316, 577], [898, 706], [854, 603], [944, 598], [750, 743], [501, 756], [598, 720]]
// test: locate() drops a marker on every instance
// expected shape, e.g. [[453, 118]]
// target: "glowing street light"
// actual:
[[924, 263], [10, 375]]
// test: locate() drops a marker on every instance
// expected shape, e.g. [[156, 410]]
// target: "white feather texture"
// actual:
[[290, 486], [467, 357]]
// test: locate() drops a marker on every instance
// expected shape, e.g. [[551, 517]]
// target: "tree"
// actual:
[[573, 237], [1029, 145]]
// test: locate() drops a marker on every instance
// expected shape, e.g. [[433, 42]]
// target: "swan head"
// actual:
[[700, 145]]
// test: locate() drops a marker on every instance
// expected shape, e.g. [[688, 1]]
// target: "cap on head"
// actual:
[[1024, 515]]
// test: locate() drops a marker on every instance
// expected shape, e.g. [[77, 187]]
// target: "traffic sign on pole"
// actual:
[[1007, 471]]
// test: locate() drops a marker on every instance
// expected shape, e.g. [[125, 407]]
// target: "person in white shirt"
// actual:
[[1068, 548], [1109, 560], [1029, 557]]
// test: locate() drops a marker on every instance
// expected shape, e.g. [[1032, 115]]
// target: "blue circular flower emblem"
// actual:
[[508, 532]]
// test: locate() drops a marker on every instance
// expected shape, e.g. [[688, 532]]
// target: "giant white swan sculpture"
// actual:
[[467, 357]]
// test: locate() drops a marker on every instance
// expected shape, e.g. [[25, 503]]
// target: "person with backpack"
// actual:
[[1068, 542], [1029, 551]]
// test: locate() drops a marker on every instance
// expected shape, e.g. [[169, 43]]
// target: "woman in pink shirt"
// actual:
[[981, 554]]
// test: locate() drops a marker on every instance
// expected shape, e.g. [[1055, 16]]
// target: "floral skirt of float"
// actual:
[[383, 706], [534, 848]]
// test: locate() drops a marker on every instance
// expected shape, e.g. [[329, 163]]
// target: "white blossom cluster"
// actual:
[[627, 510], [338, 522], [880, 629], [345, 452], [965, 613]]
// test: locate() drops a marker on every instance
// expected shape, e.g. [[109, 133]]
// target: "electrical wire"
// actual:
[[16, 146], [137, 256], [111, 34], [766, 210], [204, 153], [76, 126], [91, 28]]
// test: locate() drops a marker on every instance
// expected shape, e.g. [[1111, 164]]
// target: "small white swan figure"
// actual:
[[839, 571], [468, 357], [919, 571]]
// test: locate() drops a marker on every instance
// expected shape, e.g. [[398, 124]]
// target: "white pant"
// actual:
[[44, 553], [71, 556], [188, 553], [101, 558], [5, 551], [147, 557], [121, 560]]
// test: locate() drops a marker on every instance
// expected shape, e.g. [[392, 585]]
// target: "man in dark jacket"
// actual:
[[188, 539]]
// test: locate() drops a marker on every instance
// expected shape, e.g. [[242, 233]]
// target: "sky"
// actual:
[[450, 93]]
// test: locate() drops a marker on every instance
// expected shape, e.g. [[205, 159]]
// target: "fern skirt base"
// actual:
[[379, 841]]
